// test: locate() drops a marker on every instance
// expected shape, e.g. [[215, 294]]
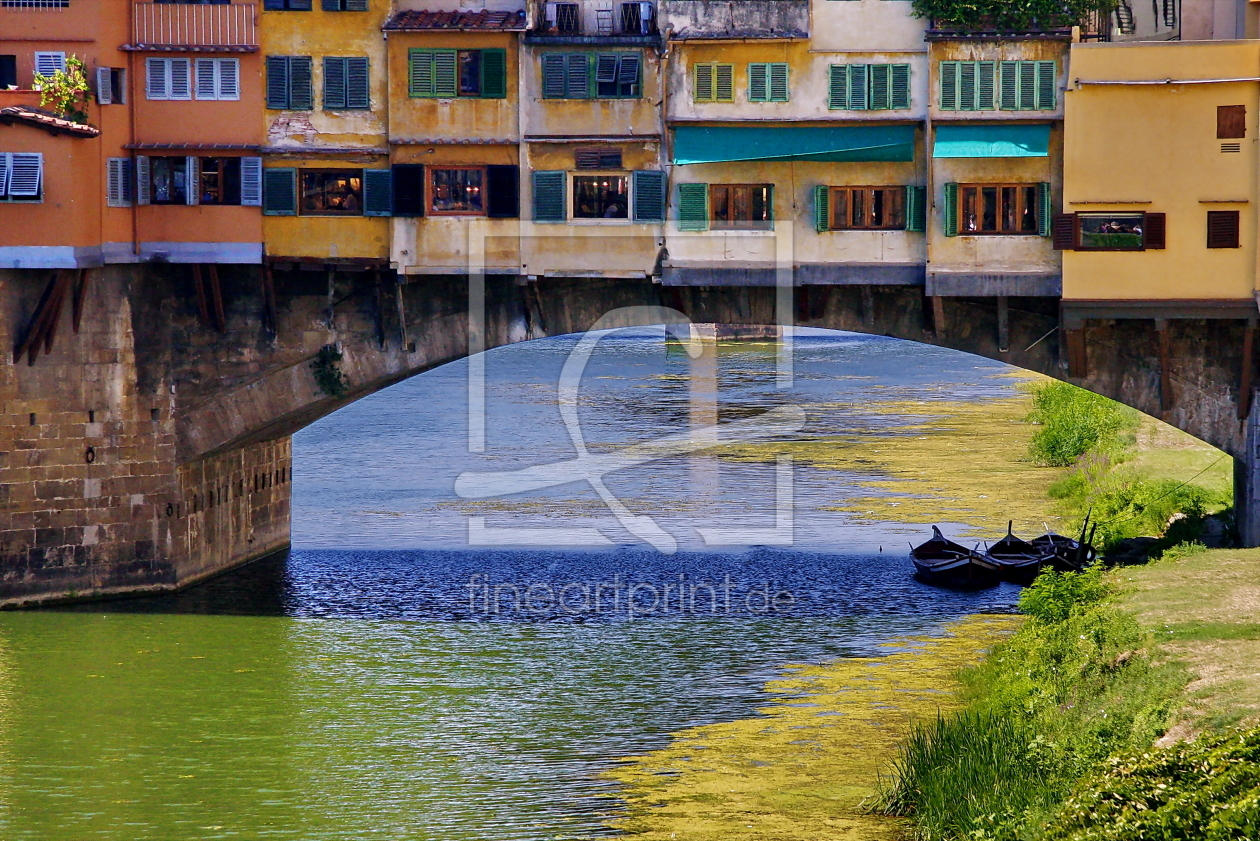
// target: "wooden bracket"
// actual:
[[868, 307], [1003, 324], [42, 327], [1165, 365], [1077, 357], [80, 292], [938, 316], [216, 299], [1246, 365], [269, 302]]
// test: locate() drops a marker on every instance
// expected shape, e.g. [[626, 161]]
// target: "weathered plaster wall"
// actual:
[[866, 26]]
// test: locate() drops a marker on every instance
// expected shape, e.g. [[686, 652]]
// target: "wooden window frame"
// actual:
[[1022, 204], [432, 170], [1231, 122], [572, 188], [1078, 236], [898, 192], [740, 224], [301, 190]]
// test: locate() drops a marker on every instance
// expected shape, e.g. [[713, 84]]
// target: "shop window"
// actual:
[[332, 192], [601, 197], [457, 191]]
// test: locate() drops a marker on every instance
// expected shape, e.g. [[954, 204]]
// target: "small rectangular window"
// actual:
[[168, 79], [8, 72], [168, 180], [220, 181], [712, 82], [597, 158], [1231, 122], [868, 208], [457, 191], [1110, 231], [601, 197], [48, 63], [998, 209], [332, 192], [218, 78], [1223, 228], [741, 206]]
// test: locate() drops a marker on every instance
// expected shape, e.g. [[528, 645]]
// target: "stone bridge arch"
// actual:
[[149, 447]]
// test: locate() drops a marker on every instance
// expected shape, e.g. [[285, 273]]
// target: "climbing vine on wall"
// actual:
[[65, 91], [327, 375], [1020, 15]]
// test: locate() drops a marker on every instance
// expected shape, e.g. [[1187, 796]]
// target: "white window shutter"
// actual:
[[181, 84], [118, 186], [207, 87], [192, 175], [4, 173], [251, 182], [104, 86], [156, 85], [48, 63], [26, 174], [142, 179], [229, 78]]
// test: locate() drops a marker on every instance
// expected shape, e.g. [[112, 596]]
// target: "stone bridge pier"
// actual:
[[146, 410]]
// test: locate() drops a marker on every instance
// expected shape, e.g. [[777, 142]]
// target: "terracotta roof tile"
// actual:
[[46, 121], [482, 21]]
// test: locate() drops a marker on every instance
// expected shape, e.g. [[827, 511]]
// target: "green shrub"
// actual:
[[1010, 14], [1054, 596], [1074, 422]]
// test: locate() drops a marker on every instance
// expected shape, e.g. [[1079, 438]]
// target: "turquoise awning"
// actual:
[[992, 141], [714, 144]]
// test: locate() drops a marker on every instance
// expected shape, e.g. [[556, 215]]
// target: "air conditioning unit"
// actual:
[[564, 17], [638, 18]]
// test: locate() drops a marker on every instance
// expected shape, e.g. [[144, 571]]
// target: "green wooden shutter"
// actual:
[[277, 82], [1027, 85], [378, 191], [859, 87], [280, 191], [758, 84], [724, 83], [577, 75], [358, 83], [966, 86], [881, 87], [822, 208], [553, 65], [985, 71], [301, 95], [838, 86], [702, 82], [649, 195], [1008, 85], [916, 209], [949, 214], [356, 5], [770, 203], [420, 73], [445, 74], [779, 90], [1047, 85], [899, 98], [334, 82], [549, 205], [949, 73], [693, 207], [494, 74], [1045, 212]]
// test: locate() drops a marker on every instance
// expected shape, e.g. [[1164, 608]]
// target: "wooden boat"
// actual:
[[1068, 555], [1018, 560], [945, 563]]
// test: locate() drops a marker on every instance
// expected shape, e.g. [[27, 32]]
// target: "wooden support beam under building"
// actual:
[[1165, 365], [42, 328], [868, 307], [203, 309], [938, 316], [1245, 368], [80, 292], [1077, 357], [402, 315], [1003, 324], [269, 302], [378, 308], [216, 299]]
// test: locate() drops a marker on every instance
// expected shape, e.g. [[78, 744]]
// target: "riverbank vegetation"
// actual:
[[1124, 708]]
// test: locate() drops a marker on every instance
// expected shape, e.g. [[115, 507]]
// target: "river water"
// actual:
[[385, 680]]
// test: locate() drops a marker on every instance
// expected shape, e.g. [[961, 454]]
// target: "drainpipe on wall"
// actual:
[[133, 103]]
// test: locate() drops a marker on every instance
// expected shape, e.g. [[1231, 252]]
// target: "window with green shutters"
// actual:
[[730, 207], [1009, 209], [867, 208], [592, 75], [549, 204], [711, 82], [968, 85], [447, 74], [346, 83], [289, 83], [1028, 85], [280, 191], [768, 82], [874, 87], [693, 207], [345, 5], [377, 192]]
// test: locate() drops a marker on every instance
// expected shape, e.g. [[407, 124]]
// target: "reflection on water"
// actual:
[[404, 689]]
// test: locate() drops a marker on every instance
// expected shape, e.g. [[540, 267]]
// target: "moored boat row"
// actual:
[[943, 562]]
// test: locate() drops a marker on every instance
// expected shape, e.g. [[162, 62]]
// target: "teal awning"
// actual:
[[714, 144], [992, 141]]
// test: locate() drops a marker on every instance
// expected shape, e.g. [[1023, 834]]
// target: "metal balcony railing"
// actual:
[[160, 26], [594, 17]]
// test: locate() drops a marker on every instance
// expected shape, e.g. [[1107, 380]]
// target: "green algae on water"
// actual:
[[801, 769]]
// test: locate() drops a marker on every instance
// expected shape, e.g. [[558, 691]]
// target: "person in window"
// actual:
[[350, 203]]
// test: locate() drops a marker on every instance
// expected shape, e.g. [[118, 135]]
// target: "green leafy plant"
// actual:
[[65, 92], [328, 376], [1074, 422], [1021, 15]]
